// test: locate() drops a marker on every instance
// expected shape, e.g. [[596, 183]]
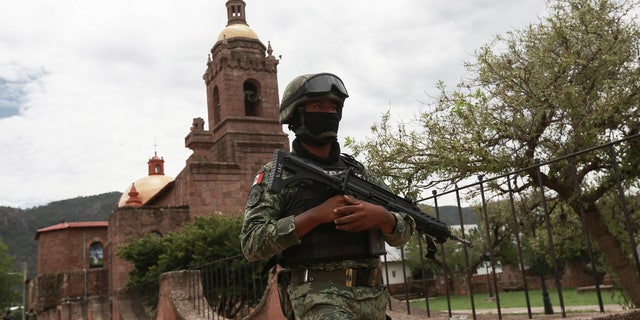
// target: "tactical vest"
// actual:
[[324, 243]]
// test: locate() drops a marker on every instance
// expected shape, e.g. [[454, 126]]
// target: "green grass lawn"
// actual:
[[516, 299]]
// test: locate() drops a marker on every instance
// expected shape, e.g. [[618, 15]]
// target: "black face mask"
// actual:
[[318, 128]]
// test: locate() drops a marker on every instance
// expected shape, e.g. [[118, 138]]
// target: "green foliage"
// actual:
[[516, 299], [456, 257], [211, 244], [144, 254], [502, 243], [563, 85], [614, 216], [567, 83], [10, 279], [205, 240]]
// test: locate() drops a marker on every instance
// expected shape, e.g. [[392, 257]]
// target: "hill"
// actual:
[[18, 227], [450, 215]]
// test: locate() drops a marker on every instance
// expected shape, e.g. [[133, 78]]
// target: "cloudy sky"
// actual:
[[89, 89]]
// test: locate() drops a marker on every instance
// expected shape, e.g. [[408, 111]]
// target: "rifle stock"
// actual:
[[289, 170]]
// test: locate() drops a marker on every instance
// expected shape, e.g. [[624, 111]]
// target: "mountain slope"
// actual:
[[18, 227]]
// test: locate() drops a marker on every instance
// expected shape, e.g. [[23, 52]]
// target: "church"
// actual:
[[77, 262]]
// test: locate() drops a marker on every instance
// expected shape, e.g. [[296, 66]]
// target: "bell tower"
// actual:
[[242, 114], [242, 86]]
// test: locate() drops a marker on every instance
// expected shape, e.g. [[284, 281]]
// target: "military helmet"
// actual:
[[310, 86]]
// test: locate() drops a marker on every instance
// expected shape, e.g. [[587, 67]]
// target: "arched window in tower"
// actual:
[[157, 168], [251, 99], [96, 255], [216, 105]]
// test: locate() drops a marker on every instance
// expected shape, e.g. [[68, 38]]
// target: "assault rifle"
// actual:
[[289, 170]]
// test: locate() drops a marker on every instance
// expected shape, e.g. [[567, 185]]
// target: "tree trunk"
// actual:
[[619, 261]]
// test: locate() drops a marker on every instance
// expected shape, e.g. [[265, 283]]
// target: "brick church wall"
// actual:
[[65, 249], [70, 286], [127, 224], [222, 187]]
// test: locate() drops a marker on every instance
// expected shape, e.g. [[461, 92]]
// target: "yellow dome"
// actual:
[[237, 30], [146, 187]]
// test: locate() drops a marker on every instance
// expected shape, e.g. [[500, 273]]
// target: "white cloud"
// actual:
[[106, 80]]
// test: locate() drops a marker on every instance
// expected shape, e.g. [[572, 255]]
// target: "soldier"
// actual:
[[328, 244]]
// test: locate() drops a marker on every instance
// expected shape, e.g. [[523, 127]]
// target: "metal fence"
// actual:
[[232, 287], [478, 191], [225, 289], [144, 300]]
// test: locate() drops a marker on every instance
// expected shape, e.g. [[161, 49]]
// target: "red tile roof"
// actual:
[[67, 225]]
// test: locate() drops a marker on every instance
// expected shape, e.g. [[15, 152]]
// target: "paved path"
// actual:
[[573, 313]]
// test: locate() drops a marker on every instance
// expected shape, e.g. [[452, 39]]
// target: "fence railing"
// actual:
[[224, 289], [144, 300], [507, 193], [232, 287]]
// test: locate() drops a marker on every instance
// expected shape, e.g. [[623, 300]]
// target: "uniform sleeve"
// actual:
[[405, 225], [264, 232]]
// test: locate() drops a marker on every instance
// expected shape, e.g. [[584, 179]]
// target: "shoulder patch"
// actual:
[[255, 195], [258, 178]]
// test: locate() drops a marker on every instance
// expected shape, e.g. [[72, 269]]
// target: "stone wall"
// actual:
[[180, 292], [94, 308], [510, 279], [52, 289], [67, 249], [127, 224], [269, 307]]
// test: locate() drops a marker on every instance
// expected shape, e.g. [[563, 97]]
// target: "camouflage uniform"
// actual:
[[266, 233], [269, 228]]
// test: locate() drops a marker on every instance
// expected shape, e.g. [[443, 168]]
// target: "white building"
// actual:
[[392, 270]]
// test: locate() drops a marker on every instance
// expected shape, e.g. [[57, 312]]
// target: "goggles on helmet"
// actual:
[[318, 85]]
